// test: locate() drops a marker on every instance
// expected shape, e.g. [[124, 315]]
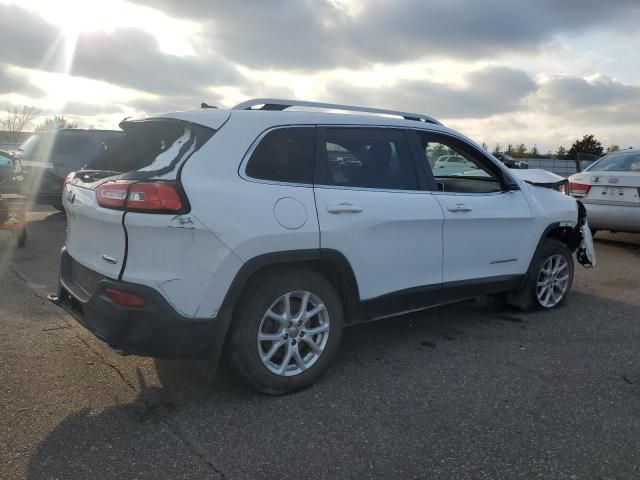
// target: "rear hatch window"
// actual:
[[149, 149]]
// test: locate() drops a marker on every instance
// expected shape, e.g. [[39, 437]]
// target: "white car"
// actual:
[[610, 191], [236, 228]]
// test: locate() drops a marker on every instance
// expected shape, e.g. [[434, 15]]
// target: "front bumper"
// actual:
[[154, 330]]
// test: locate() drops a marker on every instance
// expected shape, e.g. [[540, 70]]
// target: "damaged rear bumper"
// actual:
[[154, 329]]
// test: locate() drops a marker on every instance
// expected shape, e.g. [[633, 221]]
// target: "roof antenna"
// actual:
[[204, 105]]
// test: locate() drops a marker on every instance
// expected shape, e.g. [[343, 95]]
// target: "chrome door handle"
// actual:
[[344, 208], [458, 207]]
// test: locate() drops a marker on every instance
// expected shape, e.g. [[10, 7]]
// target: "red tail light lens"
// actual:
[[154, 197], [158, 197], [579, 189], [126, 299], [112, 194]]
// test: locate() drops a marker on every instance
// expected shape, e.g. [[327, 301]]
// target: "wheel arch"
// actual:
[[330, 263]]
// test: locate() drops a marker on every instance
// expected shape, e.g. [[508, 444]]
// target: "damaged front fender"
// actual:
[[581, 235]]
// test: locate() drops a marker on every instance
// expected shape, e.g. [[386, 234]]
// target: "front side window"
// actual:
[[367, 158], [456, 168], [284, 155]]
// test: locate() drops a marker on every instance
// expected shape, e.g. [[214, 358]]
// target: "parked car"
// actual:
[[235, 228], [511, 162], [610, 190], [7, 169], [48, 157]]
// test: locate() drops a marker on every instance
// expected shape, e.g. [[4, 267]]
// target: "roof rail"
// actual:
[[281, 104]]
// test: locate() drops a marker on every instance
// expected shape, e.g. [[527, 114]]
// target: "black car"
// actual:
[[48, 157], [511, 162]]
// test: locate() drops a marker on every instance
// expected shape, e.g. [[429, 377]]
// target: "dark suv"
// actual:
[[48, 157]]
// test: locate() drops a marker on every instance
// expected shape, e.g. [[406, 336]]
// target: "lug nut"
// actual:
[[302, 334], [286, 335], [299, 324], [293, 342]]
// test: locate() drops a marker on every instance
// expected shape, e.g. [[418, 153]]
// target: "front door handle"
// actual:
[[344, 208], [459, 207]]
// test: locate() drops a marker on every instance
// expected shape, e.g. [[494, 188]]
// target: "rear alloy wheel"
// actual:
[[549, 279], [293, 333], [287, 331]]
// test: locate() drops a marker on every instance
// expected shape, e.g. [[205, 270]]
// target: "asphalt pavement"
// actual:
[[473, 390]]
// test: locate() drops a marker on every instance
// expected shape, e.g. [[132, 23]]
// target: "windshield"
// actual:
[[617, 162]]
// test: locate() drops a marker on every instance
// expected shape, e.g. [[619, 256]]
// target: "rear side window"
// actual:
[[284, 155], [367, 158]]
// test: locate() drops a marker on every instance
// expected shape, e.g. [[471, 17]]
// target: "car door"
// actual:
[[372, 209], [487, 220]]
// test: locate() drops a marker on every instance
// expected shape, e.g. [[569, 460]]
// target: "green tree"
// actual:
[[497, 149], [534, 153], [588, 144], [613, 148], [55, 123], [484, 145], [520, 151], [561, 152], [510, 150]]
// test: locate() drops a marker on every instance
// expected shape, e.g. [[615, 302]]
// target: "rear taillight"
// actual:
[[70, 176], [125, 299], [152, 197], [112, 194], [578, 189]]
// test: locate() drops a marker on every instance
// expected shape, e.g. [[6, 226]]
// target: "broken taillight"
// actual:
[[151, 197], [70, 176], [579, 189]]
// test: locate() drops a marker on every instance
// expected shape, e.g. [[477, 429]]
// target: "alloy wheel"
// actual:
[[553, 281], [293, 333]]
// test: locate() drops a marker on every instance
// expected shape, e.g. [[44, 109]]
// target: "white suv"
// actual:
[[266, 231]]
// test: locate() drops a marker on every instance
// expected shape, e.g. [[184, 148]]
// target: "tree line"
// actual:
[[587, 144], [17, 120]]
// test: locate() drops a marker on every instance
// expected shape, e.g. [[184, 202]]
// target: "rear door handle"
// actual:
[[344, 208], [459, 207]]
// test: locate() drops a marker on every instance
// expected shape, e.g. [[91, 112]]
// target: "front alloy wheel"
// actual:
[[553, 281], [293, 333]]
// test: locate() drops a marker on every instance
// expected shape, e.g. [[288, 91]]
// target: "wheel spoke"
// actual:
[[281, 319], [315, 330], [314, 311], [270, 337], [274, 348], [286, 359], [287, 306], [312, 345], [298, 358], [304, 303]]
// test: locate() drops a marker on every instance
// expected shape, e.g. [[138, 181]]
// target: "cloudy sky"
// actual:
[[532, 71]]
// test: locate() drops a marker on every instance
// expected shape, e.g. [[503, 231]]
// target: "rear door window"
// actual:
[[284, 155], [366, 157]]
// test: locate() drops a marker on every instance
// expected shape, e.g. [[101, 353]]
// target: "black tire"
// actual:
[[260, 296], [594, 231], [526, 298]]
